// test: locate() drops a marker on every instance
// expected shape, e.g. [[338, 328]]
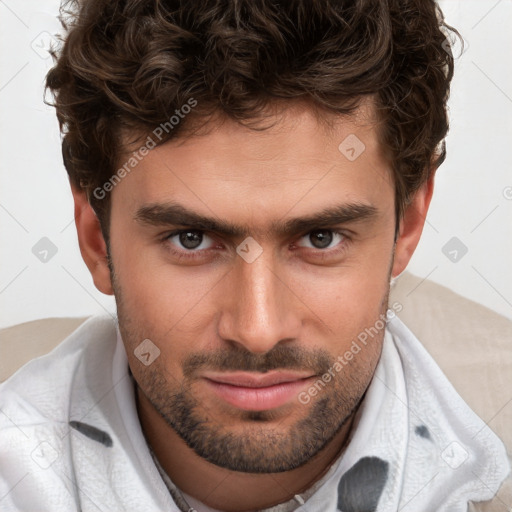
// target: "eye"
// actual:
[[189, 240], [323, 238]]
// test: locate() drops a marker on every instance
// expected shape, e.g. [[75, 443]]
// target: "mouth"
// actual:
[[257, 391]]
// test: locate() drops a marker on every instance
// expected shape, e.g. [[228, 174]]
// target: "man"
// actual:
[[248, 178]]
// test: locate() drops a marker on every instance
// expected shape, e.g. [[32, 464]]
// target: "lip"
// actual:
[[256, 391]]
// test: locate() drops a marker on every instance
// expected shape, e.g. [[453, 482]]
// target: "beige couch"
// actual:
[[472, 345]]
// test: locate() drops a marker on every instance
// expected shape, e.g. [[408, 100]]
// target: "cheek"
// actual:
[[347, 304], [171, 306], [345, 295], [153, 290]]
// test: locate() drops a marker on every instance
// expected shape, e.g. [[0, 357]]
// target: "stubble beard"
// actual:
[[259, 443]]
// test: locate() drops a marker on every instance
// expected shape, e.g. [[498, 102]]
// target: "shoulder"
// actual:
[[41, 388], [41, 354], [469, 342], [36, 404]]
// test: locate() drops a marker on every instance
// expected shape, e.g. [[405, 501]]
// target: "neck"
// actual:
[[222, 488]]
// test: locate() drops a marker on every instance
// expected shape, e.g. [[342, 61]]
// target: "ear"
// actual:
[[411, 226], [91, 241]]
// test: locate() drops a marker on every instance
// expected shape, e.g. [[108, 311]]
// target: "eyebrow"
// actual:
[[164, 214]]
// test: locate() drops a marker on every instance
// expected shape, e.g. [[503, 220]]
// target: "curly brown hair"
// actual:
[[128, 66]]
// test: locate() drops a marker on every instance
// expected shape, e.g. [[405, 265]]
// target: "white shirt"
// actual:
[[71, 440]]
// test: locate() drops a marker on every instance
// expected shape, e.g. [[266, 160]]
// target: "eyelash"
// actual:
[[194, 254], [183, 254]]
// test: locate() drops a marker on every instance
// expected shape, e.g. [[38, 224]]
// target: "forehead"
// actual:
[[300, 161]]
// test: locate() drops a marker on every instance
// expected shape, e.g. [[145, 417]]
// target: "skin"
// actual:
[[296, 300]]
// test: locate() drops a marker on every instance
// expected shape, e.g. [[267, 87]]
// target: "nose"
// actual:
[[259, 310]]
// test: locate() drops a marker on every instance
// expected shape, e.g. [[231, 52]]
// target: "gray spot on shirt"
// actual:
[[92, 433], [361, 486], [422, 431]]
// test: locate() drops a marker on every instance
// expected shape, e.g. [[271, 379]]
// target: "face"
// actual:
[[252, 260]]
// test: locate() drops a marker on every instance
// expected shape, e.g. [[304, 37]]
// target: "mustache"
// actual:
[[316, 361]]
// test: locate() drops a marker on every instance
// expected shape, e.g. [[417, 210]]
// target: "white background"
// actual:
[[472, 200]]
